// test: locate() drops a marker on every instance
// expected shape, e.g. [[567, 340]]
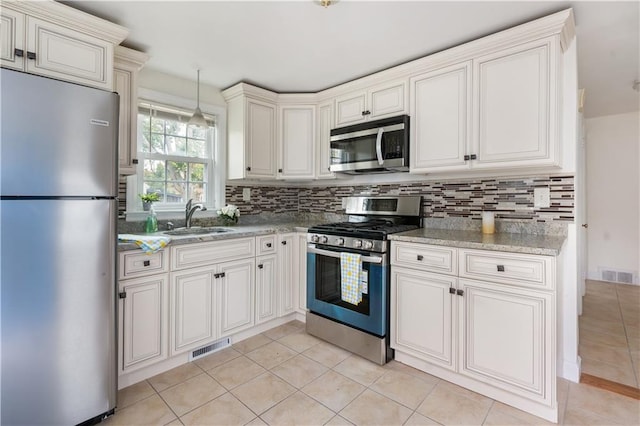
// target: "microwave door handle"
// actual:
[[379, 146], [366, 259]]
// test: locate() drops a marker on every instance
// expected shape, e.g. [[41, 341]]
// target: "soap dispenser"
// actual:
[[151, 224]]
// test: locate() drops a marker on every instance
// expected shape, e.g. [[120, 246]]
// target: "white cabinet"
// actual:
[[251, 130], [287, 275], [494, 334], [236, 300], [323, 146], [380, 101], [127, 64], [516, 95], [440, 110], [50, 39], [266, 288], [296, 141], [422, 315], [143, 322], [301, 268], [192, 309]]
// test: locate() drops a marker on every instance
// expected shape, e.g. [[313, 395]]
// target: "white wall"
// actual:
[[176, 86], [613, 193]]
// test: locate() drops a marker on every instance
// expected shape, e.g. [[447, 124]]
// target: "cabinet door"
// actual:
[[286, 275], [266, 289], [296, 141], [301, 268], [12, 37], [143, 321], [350, 109], [261, 139], [387, 100], [126, 146], [441, 114], [422, 315], [323, 146], [69, 55], [515, 106], [192, 309], [236, 295], [507, 338]]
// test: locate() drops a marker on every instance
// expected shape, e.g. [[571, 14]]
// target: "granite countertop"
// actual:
[[238, 231], [515, 243]]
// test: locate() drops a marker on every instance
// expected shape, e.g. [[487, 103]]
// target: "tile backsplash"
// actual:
[[510, 198]]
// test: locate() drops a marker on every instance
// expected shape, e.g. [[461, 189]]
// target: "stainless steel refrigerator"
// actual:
[[58, 209]]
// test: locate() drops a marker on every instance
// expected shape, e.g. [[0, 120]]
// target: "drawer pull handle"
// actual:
[[452, 290], [419, 257], [260, 266], [19, 53], [268, 245], [146, 263], [460, 292], [500, 268], [31, 55], [122, 295]]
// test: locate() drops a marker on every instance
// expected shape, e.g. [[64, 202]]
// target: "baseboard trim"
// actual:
[[609, 385]]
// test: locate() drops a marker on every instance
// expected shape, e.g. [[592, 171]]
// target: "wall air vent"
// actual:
[[206, 350], [618, 276]]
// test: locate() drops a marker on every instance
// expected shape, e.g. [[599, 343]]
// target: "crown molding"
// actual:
[[132, 59]]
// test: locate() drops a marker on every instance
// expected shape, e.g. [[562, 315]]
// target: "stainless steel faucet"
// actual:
[[190, 209]]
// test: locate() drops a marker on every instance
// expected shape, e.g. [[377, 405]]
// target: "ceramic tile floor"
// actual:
[[286, 377], [610, 332]]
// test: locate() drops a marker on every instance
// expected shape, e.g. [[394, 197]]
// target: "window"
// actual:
[[176, 160]]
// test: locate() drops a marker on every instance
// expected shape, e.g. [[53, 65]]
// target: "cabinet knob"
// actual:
[[31, 55], [122, 295], [467, 157], [248, 169], [222, 275], [279, 170], [134, 161], [452, 290], [268, 245], [18, 52], [474, 157], [366, 112], [260, 266], [284, 243], [500, 268], [146, 263], [460, 292], [585, 225], [419, 257]]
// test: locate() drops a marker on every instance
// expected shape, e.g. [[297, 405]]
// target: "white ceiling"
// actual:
[[299, 46]]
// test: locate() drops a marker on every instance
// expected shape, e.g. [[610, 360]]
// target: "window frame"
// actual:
[[217, 165]]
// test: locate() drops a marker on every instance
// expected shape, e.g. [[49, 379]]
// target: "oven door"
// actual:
[[324, 289]]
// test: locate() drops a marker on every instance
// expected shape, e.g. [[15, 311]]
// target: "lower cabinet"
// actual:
[[266, 288], [301, 253], [287, 275], [492, 335], [236, 284], [143, 321]]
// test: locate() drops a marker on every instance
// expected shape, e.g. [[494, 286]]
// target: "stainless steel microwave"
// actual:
[[373, 147]]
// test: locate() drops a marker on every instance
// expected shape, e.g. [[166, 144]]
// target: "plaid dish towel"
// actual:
[[148, 244], [350, 272]]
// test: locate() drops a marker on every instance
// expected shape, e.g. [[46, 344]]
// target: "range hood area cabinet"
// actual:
[[57, 41], [498, 110]]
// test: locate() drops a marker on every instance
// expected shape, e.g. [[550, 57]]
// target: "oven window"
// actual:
[[328, 284]]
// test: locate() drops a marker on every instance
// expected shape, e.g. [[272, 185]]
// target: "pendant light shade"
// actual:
[[197, 119]]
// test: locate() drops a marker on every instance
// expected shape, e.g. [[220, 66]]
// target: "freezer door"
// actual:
[[57, 138], [58, 306]]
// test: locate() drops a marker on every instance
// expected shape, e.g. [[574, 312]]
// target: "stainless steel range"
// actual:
[[361, 327]]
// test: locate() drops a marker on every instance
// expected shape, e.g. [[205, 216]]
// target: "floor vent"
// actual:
[[612, 275], [206, 350]]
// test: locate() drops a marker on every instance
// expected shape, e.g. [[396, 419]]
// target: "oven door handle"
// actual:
[[379, 146], [367, 259]]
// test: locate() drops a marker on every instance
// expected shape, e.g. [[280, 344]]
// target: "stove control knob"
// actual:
[[340, 241], [324, 239], [357, 243], [367, 245], [315, 238]]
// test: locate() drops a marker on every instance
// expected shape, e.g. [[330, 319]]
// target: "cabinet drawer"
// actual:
[[266, 244], [525, 270], [137, 263], [202, 254], [425, 257]]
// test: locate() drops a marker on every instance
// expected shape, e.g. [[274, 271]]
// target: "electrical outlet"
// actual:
[[246, 194], [541, 197]]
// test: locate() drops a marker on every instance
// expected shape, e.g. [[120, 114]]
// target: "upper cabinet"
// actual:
[[251, 130], [296, 141], [125, 82], [53, 40], [380, 101], [323, 147]]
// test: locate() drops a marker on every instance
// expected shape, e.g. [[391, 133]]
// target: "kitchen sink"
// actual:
[[196, 230]]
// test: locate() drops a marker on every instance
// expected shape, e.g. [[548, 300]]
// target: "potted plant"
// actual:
[[148, 198], [228, 215]]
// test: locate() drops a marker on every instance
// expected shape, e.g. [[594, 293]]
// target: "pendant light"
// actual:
[[197, 119]]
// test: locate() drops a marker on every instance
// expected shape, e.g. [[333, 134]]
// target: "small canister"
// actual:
[[488, 223]]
